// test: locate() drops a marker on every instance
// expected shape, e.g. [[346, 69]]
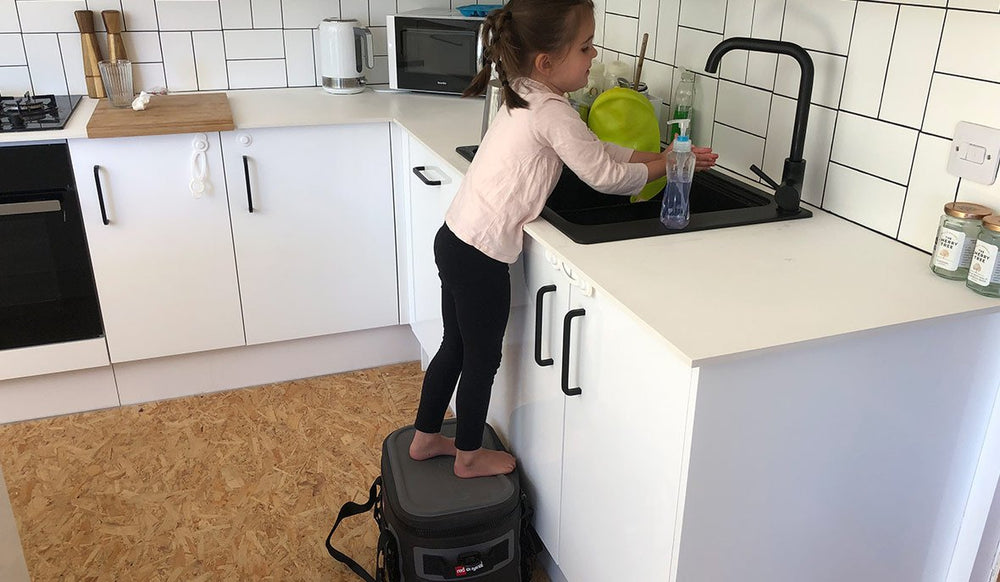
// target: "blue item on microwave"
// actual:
[[478, 9]]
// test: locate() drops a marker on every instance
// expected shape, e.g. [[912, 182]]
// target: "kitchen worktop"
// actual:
[[712, 294]]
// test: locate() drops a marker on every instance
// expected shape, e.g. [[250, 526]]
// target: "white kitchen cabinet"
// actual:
[[163, 256], [431, 186], [313, 227], [603, 466]]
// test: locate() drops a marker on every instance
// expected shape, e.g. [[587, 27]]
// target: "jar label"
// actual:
[[951, 248], [985, 268]]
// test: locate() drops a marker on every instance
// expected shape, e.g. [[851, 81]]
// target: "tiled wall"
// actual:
[[892, 78]]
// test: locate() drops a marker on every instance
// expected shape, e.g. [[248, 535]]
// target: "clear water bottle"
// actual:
[[676, 211]]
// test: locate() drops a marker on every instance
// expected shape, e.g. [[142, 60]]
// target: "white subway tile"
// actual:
[[931, 187], [210, 55], [599, 17], [620, 34], [139, 14], [737, 150], [767, 18], [148, 77], [356, 9], [45, 63], [911, 65], [961, 52], [707, 15], [309, 13], [299, 58], [72, 60], [254, 44], [693, 48], [143, 47], [869, 58], [257, 74], [955, 99], [178, 61], [237, 14], [178, 16], [865, 199], [624, 7], [378, 9], [406, 5], [14, 80], [8, 17], [875, 147], [659, 79], [11, 50], [985, 5], [939, 3], [380, 74], [381, 45], [823, 25], [743, 107], [819, 141], [739, 22], [666, 31], [827, 83], [50, 15], [969, 191], [266, 13], [761, 69], [649, 12]]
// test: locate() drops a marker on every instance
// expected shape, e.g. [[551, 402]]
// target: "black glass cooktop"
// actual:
[[35, 112]]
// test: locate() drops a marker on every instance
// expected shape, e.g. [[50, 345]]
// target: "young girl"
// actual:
[[541, 49]]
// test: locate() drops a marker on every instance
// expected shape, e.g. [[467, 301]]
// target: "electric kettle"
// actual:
[[345, 49]]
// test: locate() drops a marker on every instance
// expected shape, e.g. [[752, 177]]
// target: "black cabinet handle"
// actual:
[[567, 328], [100, 195], [538, 325], [246, 174], [419, 172]]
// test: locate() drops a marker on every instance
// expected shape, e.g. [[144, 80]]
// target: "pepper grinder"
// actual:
[[113, 23], [91, 53]]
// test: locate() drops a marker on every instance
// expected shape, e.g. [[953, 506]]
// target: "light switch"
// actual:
[[975, 153]]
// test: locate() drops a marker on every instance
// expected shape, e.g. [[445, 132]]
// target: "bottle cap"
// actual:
[[682, 144], [992, 222], [967, 210]]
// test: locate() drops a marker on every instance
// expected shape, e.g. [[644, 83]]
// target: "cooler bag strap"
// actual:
[[350, 508]]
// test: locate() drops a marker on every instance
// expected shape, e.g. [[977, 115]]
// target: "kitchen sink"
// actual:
[[717, 201]]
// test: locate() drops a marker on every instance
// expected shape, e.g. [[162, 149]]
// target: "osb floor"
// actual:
[[239, 485]]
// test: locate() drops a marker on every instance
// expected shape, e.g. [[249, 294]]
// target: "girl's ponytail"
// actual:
[[499, 47]]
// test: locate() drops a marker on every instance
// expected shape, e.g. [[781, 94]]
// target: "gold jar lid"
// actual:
[[992, 222], [967, 210]]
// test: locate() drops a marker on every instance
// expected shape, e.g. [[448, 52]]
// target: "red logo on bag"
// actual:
[[460, 571], [466, 570]]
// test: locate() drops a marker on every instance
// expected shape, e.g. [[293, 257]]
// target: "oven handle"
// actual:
[[100, 195]]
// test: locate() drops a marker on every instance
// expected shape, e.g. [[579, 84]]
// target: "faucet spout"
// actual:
[[789, 193]]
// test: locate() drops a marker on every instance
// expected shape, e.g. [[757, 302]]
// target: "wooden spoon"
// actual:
[[642, 57]]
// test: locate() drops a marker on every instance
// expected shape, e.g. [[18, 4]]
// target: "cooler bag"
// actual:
[[435, 526]]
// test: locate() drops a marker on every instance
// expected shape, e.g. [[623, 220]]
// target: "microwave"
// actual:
[[433, 50]]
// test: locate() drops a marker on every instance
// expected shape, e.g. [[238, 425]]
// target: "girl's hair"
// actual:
[[514, 34]]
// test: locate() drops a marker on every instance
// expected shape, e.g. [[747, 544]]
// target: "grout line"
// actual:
[[840, 104], [866, 173], [888, 64]]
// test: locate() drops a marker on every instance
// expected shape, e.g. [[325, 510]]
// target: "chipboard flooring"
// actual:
[[237, 485]]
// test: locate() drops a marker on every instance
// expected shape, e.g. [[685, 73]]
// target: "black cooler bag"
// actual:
[[435, 526]]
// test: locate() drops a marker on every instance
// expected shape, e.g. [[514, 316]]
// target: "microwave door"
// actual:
[[439, 59]]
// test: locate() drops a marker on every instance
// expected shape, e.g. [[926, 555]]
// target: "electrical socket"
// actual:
[[975, 153]]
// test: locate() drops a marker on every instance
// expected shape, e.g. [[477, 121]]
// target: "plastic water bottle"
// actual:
[[676, 211]]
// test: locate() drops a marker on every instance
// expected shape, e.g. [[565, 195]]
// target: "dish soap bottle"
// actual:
[[676, 211], [682, 106]]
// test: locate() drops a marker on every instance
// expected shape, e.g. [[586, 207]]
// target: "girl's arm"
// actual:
[[704, 159]]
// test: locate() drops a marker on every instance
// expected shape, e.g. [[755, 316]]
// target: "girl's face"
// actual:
[[570, 68]]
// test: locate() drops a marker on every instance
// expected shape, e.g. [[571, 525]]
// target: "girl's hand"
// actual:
[[704, 158]]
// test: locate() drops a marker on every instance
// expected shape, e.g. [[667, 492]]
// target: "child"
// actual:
[[541, 49]]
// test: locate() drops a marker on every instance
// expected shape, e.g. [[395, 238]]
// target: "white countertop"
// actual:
[[731, 291]]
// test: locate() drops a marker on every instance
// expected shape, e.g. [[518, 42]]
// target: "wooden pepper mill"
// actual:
[[113, 23], [91, 53]]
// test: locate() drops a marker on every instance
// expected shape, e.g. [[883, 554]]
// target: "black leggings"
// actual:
[[475, 303]]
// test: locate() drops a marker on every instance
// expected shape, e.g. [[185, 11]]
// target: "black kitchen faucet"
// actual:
[[789, 192]]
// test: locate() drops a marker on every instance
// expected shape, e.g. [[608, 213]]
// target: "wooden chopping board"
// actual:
[[165, 114]]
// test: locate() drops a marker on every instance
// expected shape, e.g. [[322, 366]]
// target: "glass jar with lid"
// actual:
[[956, 239], [984, 274]]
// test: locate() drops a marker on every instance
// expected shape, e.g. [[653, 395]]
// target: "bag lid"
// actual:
[[427, 494]]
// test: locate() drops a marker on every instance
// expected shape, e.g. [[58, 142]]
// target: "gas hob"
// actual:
[[36, 112]]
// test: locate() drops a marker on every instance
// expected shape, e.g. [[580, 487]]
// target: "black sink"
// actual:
[[717, 201]]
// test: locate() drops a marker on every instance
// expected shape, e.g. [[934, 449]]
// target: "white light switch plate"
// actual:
[[975, 153]]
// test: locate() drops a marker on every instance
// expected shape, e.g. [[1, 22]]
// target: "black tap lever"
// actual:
[[789, 193], [760, 174]]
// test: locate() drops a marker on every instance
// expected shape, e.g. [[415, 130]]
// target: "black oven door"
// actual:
[[47, 291], [436, 54]]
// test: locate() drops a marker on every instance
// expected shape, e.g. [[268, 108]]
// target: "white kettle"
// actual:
[[345, 49]]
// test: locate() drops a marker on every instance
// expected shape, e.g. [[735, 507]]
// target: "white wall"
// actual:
[[892, 78]]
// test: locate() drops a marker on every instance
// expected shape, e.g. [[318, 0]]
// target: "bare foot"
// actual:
[[483, 463], [426, 445]]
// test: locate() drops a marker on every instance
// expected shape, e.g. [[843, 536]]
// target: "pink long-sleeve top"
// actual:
[[518, 164]]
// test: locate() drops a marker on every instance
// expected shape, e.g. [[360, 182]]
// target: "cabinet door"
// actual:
[[164, 265], [316, 255], [527, 403], [623, 447], [431, 190]]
